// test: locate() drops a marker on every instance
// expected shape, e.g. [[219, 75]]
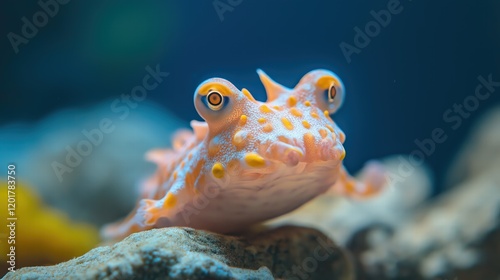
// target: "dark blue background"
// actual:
[[398, 87]]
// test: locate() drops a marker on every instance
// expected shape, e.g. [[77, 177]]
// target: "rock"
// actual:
[[480, 151], [454, 235], [185, 253]]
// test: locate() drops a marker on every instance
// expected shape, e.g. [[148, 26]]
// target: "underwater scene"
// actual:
[[237, 139]]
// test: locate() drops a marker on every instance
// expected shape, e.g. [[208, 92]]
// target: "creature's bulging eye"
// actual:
[[332, 92], [215, 100]]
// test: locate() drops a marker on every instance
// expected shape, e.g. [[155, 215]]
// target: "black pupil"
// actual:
[[215, 98], [333, 92]]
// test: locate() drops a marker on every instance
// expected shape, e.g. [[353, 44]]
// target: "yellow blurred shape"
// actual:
[[43, 236]]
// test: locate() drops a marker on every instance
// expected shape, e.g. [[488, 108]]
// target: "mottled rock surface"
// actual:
[[184, 253]]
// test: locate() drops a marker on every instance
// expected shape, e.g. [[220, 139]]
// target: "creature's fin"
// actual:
[[374, 179], [200, 129], [145, 216]]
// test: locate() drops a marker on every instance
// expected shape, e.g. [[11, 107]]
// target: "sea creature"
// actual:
[[249, 161]]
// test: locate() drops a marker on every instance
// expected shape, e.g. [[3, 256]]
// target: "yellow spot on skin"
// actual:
[[265, 109], [323, 133], [170, 201], [255, 160], [218, 170], [327, 114], [296, 112], [288, 125], [325, 82], [329, 127], [268, 128], [306, 124], [314, 115], [292, 101], [247, 94], [307, 103], [206, 88], [243, 120], [261, 120]]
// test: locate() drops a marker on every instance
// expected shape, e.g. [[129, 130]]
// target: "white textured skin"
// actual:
[[248, 202]]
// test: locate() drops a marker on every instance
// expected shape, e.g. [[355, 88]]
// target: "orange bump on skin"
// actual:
[[218, 170], [288, 125], [307, 103], [170, 201], [265, 109], [323, 133], [261, 120], [255, 160], [213, 150], [247, 94], [329, 127], [239, 138], [296, 112], [342, 156], [342, 137], [197, 169], [243, 120], [306, 124], [284, 139], [268, 128], [292, 101], [309, 144], [189, 181]]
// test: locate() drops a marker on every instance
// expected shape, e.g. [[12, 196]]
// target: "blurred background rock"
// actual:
[[105, 185]]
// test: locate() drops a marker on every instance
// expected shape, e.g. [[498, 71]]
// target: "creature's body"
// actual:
[[250, 161]]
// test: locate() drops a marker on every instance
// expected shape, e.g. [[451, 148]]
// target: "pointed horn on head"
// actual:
[[273, 89]]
